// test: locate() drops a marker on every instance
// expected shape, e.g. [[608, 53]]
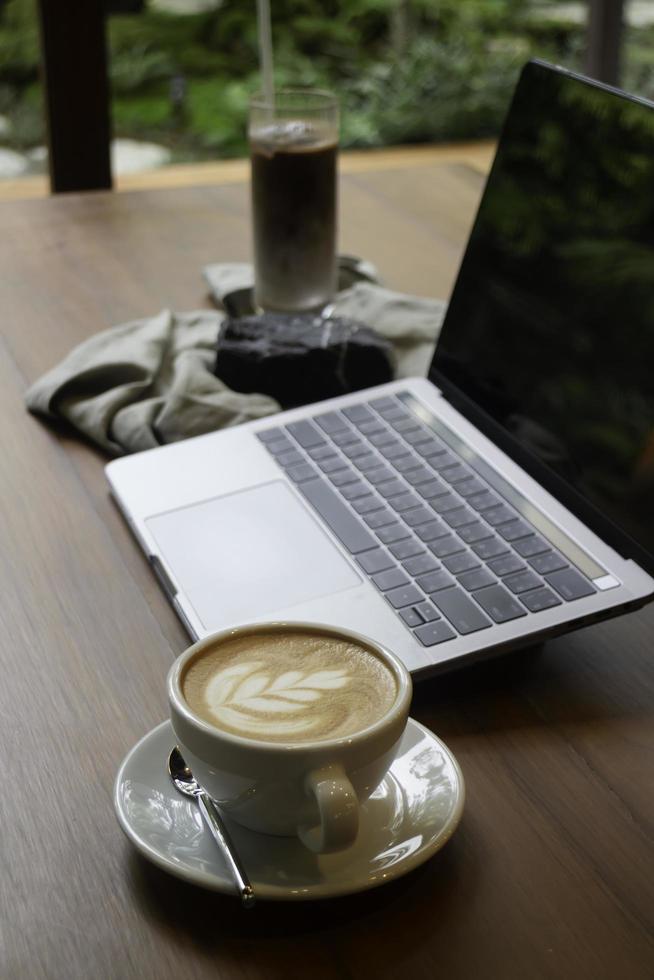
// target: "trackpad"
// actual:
[[249, 554]]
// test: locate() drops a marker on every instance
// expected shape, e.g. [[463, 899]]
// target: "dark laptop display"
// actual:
[[551, 323]]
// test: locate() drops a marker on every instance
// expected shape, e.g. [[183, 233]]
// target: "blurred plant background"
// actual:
[[407, 71]]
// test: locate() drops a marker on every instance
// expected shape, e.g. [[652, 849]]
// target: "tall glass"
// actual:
[[293, 145]]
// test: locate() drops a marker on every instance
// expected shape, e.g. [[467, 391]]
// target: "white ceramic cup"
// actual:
[[309, 789]]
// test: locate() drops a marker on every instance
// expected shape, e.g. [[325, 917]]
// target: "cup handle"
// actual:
[[339, 811]]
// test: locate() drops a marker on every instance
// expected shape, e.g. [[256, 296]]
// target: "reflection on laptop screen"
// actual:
[[551, 323]]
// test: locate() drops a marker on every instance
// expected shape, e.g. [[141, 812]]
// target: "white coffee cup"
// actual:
[[309, 789]]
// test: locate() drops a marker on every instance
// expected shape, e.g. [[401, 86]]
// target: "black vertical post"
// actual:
[[74, 65], [604, 40]]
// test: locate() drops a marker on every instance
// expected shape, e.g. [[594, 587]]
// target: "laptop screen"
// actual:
[[550, 329]]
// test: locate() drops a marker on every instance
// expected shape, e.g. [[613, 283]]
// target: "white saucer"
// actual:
[[409, 817]]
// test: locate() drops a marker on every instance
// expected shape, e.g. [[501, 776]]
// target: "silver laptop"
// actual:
[[505, 499]]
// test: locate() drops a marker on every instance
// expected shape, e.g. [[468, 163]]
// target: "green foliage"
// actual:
[[405, 70], [435, 91], [142, 118], [639, 66], [216, 115], [26, 117], [19, 43]]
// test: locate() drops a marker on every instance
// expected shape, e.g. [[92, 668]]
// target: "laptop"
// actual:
[[506, 498]]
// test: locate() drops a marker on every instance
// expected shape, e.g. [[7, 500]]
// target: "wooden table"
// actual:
[[551, 873]]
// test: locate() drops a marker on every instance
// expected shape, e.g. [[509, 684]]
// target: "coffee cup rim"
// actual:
[[399, 707]]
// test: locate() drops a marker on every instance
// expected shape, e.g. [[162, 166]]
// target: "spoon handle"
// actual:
[[215, 824]]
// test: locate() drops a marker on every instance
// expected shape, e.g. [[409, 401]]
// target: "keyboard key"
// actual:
[[393, 413], [382, 438], [280, 446], [533, 545], [330, 422], [331, 464], [304, 471], [406, 595], [434, 581], [499, 515], [353, 490], [549, 562], [444, 460], [305, 433], [418, 474], [291, 458], [499, 604], [464, 614], [404, 465], [383, 403], [376, 560], [446, 545], [428, 447], [506, 565], [514, 530], [390, 488], [365, 505], [461, 562], [347, 528], [343, 476], [431, 531], [367, 462], [368, 428], [482, 501], [420, 436], [489, 547], [358, 413], [428, 612], [570, 584], [468, 487], [270, 435], [405, 501], [390, 579], [523, 581], [411, 617], [417, 516], [406, 548], [406, 423], [394, 532], [475, 532], [459, 517], [446, 501], [420, 564], [456, 473], [344, 437], [477, 579], [321, 452], [434, 633], [394, 450], [379, 518], [540, 599], [355, 449], [382, 475], [434, 488]]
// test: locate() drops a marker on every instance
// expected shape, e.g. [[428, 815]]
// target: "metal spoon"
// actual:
[[186, 783]]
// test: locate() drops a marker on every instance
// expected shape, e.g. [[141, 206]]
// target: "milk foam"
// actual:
[[292, 686]]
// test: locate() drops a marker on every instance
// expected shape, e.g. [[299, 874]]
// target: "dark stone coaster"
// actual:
[[300, 358]]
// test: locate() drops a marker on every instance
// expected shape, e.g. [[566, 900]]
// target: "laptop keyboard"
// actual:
[[447, 552]]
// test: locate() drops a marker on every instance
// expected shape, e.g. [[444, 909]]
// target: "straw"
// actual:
[[265, 51]]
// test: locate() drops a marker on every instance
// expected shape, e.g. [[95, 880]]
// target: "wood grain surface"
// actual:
[[551, 873]]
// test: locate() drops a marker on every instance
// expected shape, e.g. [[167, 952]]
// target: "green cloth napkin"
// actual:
[[150, 382]]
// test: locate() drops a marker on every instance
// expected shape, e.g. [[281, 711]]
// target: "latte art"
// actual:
[[289, 686], [246, 695]]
